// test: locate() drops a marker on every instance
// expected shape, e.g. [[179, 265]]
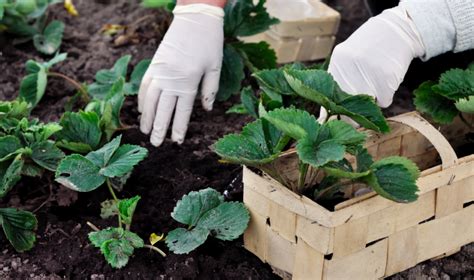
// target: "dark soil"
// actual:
[[62, 249]]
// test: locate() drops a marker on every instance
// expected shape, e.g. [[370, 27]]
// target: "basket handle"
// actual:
[[445, 150]]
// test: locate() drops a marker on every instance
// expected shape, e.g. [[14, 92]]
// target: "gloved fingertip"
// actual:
[[144, 127], [156, 141]]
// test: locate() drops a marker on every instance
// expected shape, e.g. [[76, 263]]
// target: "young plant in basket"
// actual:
[[104, 166], [326, 147], [27, 20], [451, 96], [242, 18]]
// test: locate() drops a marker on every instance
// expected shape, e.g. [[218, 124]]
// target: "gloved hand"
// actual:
[[189, 55], [375, 59]]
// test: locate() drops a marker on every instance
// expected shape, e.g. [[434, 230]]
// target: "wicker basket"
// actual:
[[367, 237]]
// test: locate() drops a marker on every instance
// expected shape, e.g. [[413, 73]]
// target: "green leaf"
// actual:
[[106, 79], [252, 147], [440, 108], [227, 221], [58, 57], [258, 55], [466, 105], [455, 84], [192, 206], [297, 124], [345, 134], [9, 145], [408, 164], [46, 155], [168, 4], [49, 41], [108, 208], [364, 160], [319, 86], [182, 241], [394, 182], [244, 18], [32, 170], [123, 160], [10, 174], [19, 227], [132, 87], [126, 208], [16, 109], [102, 156], [237, 109], [81, 131], [232, 73], [273, 82], [116, 244], [33, 87], [319, 154], [249, 101], [79, 174]]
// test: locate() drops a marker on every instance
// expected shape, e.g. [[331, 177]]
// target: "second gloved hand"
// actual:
[[375, 59], [190, 55]]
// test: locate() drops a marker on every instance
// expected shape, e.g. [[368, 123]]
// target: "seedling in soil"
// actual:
[[451, 96], [25, 145], [27, 19], [242, 18], [33, 86], [19, 227], [206, 214], [87, 173]]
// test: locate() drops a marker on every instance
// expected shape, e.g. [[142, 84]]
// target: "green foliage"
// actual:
[[19, 227], [25, 145], [206, 214], [33, 86], [451, 95], [258, 144], [319, 86], [106, 79], [87, 173], [81, 132], [321, 146], [232, 73], [26, 19], [244, 18], [167, 4], [50, 39], [116, 244]]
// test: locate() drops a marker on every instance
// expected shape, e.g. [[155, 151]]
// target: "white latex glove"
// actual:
[[375, 59], [189, 55]]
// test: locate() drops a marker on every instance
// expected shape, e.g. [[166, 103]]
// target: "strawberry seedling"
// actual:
[[26, 20]]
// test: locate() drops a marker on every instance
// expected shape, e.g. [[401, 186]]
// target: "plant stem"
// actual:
[[111, 190], [92, 226], [76, 84], [332, 188], [155, 249], [303, 168]]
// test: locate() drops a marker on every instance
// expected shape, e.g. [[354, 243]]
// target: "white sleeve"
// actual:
[[434, 22]]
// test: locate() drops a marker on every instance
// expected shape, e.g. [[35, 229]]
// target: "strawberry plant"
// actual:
[[451, 96], [242, 18], [87, 173], [26, 19], [26, 148], [323, 147], [19, 227], [205, 214]]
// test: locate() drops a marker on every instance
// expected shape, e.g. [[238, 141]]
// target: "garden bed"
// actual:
[[62, 249]]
